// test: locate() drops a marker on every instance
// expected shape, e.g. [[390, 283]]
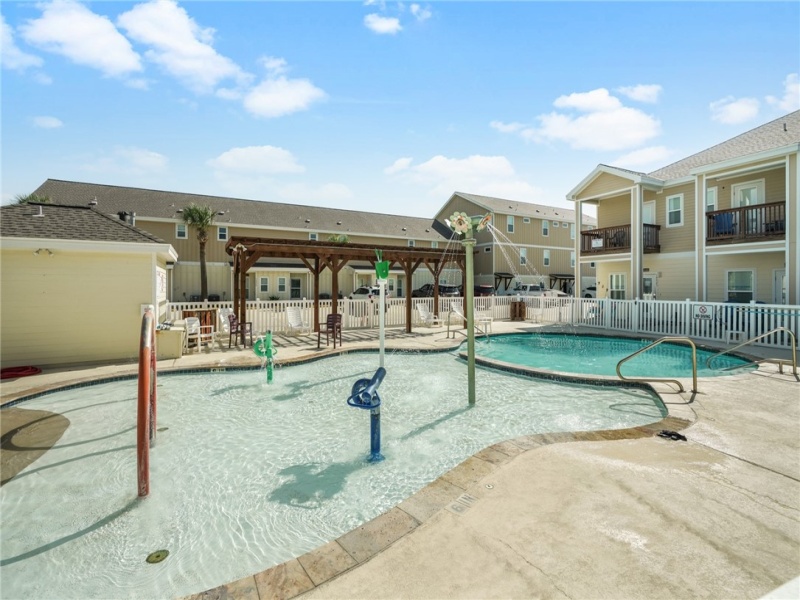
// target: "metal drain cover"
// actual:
[[157, 556]]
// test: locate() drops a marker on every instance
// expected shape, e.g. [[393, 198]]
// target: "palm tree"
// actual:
[[201, 218], [26, 198], [340, 238]]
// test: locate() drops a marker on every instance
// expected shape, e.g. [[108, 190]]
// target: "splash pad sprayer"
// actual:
[[265, 351], [382, 271], [464, 225], [365, 395]]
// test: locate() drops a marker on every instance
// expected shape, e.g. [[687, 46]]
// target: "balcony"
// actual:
[[609, 240], [757, 223]]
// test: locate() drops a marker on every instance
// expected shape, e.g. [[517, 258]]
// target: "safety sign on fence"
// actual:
[[704, 312]]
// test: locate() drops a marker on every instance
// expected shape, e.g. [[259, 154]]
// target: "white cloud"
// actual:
[[401, 164], [11, 56], [791, 94], [506, 127], [594, 101], [47, 122], [420, 13], [70, 29], [644, 159], [241, 185], [642, 92], [128, 160], [274, 66], [603, 130], [179, 45], [731, 111], [281, 96], [490, 175], [257, 160], [382, 25]]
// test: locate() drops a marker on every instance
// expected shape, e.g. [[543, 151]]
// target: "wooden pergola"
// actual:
[[321, 255]]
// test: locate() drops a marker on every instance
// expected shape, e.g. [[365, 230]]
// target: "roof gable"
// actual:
[[523, 209]]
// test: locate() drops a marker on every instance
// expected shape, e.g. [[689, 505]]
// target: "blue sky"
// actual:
[[386, 107]]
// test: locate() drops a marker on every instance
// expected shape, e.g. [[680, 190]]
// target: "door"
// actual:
[[779, 286], [649, 286], [649, 212], [750, 194], [295, 288]]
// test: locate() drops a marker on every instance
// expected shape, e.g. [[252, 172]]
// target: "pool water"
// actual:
[[597, 355], [246, 475]]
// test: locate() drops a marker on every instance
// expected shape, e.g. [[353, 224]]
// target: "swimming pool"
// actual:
[[596, 355], [247, 475]]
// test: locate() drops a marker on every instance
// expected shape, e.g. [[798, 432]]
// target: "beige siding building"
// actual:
[[531, 243], [73, 283], [720, 225]]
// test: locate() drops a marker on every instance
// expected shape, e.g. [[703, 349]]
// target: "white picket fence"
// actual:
[[706, 321]]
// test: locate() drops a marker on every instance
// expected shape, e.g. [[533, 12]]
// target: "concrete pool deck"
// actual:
[[620, 514]]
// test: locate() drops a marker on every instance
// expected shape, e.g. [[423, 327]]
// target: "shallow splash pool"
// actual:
[[596, 355], [246, 475]]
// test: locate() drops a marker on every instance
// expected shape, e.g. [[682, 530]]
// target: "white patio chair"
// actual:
[[427, 317], [294, 321]]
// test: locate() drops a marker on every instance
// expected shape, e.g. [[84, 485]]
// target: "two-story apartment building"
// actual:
[[530, 243], [719, 225]]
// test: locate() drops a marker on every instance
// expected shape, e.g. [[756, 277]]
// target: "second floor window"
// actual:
[[545, 228], [572, 231], [546, 258], [572, 258], [523, 256], [222, 234], [434, 244], [411, 243], [711, 199], [312, 237], [510, 224], [180, 231], [675, 211]]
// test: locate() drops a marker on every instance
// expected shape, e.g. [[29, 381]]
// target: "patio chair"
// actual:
[[235, 328], [199, 334], [332, 327], [427, 317], [294, 321], [724, 225]]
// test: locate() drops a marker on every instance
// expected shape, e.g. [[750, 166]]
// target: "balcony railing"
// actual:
[[608, 240], [759, 222]]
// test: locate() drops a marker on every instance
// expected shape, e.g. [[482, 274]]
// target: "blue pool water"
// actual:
[[246, 475], [597, 355]]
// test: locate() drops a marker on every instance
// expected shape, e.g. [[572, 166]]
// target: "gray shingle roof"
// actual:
[[64, 222], [775, 134], [160, 204], [525, 209]]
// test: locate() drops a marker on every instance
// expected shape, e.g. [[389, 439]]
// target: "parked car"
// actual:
[[484, 289], [528, 289], [368, 291], [426, 291], [589, 292]]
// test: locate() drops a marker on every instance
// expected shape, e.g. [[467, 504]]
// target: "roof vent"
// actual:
[[93, 202], [308, 220], [338, 222]]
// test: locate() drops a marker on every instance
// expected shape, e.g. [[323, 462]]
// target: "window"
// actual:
[[564, 225], [180, 231], [616, 286], [591, 265], [411, 243], [296, 288], [546, 259], [526, 219], [572, 231], [487, 249], [675, 211], [523, 256], [545, 228], [313, 237], [572, 259], [740, 286], [282, 284], [263, 284], [434, 244], [555, 224], [222, 234], [510, 223], [711, 199]]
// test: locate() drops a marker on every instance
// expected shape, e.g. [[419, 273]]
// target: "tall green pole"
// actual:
[[469, 288]]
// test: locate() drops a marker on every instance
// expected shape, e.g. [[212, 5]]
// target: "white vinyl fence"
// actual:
[[720, 322]]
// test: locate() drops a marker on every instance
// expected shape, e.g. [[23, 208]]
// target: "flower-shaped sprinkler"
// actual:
[[465, 225]]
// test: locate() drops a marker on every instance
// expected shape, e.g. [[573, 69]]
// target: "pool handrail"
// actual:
[[146, 406], [776, 361], [654, 379]]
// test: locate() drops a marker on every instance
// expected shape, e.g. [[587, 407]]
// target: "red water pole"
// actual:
[[146, 410]]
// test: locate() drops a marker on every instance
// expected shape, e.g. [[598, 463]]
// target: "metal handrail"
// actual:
[[653, 345], [451, 312], [777, 361]]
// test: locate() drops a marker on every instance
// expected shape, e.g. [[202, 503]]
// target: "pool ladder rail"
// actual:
[[458, 314], [662, 380], [778, 361]]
